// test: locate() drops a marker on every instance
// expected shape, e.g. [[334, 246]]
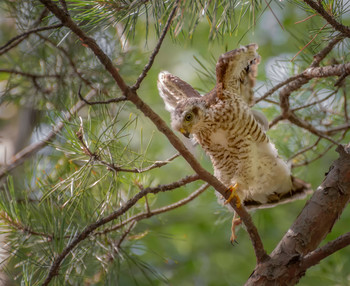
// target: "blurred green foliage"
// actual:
[[61, 190]]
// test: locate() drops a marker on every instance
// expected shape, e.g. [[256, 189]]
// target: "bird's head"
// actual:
[[188, 116]]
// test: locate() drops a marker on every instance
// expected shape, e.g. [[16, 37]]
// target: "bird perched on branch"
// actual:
[[231, 133]]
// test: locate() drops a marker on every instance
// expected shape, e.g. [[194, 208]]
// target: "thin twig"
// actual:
[[278, 86], [305, 149], [313, 38], [307, 162], [325, 51], [304, 20], [307, 126], [156, 49], [70, 60], [346, 114], [150, 213], [273, 13], [64, 6], [125, 234], [275, 121], [113, 100], [17, 225], [19, 38], [27, 74], [156, 164], [314, 102]]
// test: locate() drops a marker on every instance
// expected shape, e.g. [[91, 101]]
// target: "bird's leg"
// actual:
[[233, 195], [236, 221]]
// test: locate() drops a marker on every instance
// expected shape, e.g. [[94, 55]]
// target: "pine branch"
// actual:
[[327, 71], [18, 226], [32, 149], [28, 74], [329, 18], [88, 230], [68, 57], [18, 39], [113, 100], [151, 213], [295, 82], [114, 167]]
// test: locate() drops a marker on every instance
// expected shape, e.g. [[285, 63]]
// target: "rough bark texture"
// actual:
[[286, 266]]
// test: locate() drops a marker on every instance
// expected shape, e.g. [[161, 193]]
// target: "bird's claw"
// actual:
[[235, 222], [233, 242], [233, 195]]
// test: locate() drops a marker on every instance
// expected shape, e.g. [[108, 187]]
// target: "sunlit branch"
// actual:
[[327, 71]]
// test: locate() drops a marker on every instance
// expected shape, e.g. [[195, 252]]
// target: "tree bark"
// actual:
[[287, 263]]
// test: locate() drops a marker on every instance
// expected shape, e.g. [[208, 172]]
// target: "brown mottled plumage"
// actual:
[[230, 132]]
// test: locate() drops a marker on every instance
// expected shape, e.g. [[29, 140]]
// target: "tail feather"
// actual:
[[299, 191]]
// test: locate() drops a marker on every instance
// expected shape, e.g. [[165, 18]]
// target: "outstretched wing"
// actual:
[[236, 72], [173, 89]]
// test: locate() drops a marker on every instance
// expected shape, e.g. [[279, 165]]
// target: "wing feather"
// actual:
[[236, 72], [173, 89]]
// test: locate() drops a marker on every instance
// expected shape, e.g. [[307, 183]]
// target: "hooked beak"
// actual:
[[185, 133]]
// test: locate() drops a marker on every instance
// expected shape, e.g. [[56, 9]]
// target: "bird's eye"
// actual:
[[188, 116]]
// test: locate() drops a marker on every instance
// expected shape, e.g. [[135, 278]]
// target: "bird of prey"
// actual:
[[231, 133]]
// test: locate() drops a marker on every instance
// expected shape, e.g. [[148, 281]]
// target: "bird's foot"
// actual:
[[236, 221], [233, 195]]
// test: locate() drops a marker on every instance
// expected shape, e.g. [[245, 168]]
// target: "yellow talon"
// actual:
[[233, 195]]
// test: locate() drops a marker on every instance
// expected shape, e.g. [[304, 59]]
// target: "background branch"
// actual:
[[32, 149]]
